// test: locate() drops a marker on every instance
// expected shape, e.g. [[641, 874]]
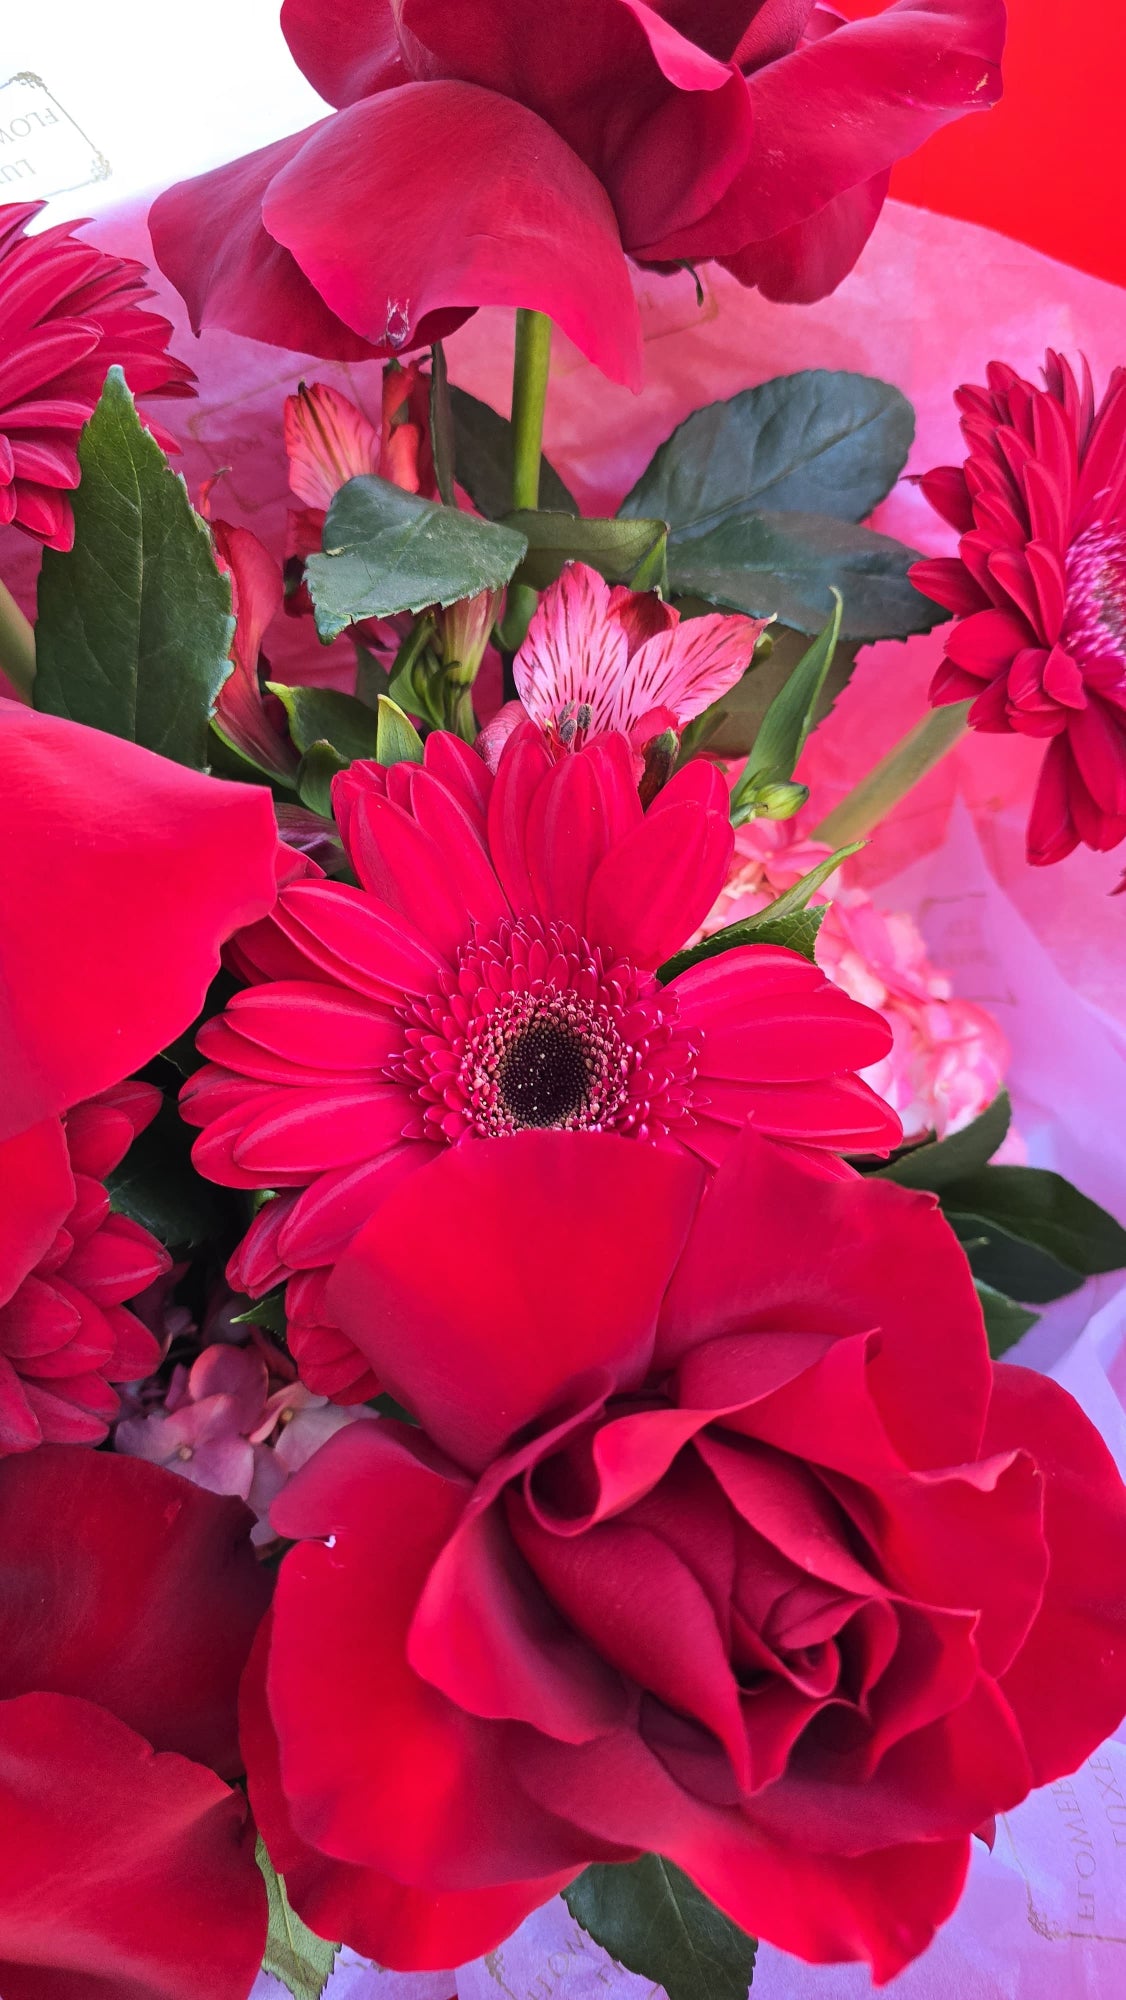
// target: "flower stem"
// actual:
[[529, 395], [916, 754], [17, 645]]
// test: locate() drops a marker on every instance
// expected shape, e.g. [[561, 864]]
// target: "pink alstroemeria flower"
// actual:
[[597, 658]]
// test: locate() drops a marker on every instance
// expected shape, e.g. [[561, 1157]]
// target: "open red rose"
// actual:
[[722, 1538], [128, 1602], [483, 157]]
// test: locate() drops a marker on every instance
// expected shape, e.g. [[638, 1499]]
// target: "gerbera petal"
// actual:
[[654, 888]]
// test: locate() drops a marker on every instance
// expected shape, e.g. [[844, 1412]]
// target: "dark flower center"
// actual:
[[537, 1027], [544, 1075]]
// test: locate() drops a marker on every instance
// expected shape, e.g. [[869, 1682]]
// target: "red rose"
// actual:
[[480, 157], [723, 1538], [123, 874], [128, 1602]]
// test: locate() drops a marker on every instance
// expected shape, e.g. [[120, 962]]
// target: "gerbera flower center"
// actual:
[[538, 1028], [1095, 627]]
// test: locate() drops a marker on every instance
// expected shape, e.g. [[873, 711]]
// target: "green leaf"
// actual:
[[321, 715], [157, 1186], [617, 549], [294, 1953], [386, 551], [267, 1312], [315, 773], [941, 1161], [819, 442], [786, 565], [1042, 1209], [1006, 1261], [397, 741], [795, 932], [1005, 1321], [134, 624], [788, 720], [650, 1917], [483, 441]]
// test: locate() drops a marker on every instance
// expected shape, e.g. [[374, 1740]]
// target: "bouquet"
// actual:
[[507, 1244]]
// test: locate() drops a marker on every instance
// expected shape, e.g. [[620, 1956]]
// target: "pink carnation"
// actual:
[[948, 1057]]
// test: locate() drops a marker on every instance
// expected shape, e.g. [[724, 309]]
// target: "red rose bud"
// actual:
[[477, 159]]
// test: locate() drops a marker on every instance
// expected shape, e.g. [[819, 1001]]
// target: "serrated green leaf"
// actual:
[[294, 1954], [788, 720], [397, 740], [315, 773], [1043, 1210], [322, 715], [483, 457], [268, 1312], [386, 551], [1005, 1321], [821, 441], [157, 1186], [942, 1161], [134, 626], [786, 566], [650, 1917], [619, 550]]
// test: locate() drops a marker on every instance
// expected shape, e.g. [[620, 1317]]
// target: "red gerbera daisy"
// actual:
[[495, 971], [1039, 587], [65, 1333], [68, 313]]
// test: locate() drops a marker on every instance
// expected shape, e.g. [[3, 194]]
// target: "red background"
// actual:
[[1048, 165]]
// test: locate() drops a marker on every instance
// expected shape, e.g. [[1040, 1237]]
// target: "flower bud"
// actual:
[[462, 633], [777, 800]]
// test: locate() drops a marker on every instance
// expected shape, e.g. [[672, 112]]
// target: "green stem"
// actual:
[[17, 645], [916, 754], [529, 396]]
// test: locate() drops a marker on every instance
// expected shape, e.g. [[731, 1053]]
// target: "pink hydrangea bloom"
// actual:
[[948, 1056], [224, 1428]]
